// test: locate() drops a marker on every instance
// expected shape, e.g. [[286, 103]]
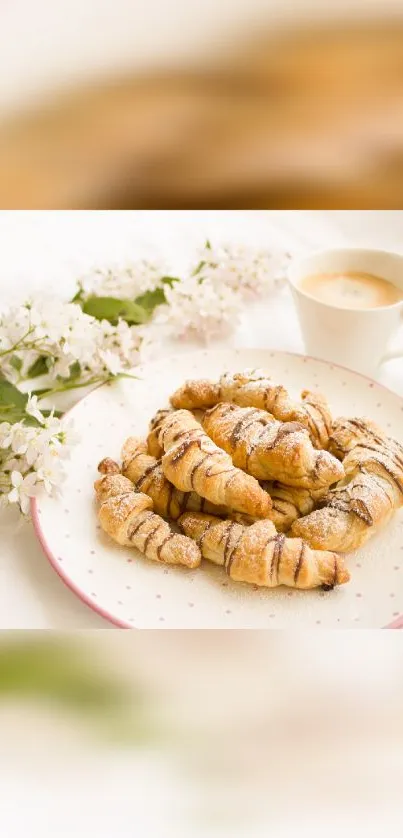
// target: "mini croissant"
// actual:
[[259, 555], [253, 388], [127, 516], [362, 433], [147, 475], [290, 503], [269, 449], [365, 500], [193, 463], [153, 445]]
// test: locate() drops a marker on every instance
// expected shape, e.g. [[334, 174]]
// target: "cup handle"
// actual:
[[388, 356], [394, 353]]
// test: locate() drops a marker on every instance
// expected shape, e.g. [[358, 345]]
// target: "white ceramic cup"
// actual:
[[355, 338]]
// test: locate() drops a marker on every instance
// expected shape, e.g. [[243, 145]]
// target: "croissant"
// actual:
[[153, 445], [362, 433], [127, 516], [253, 388], [147, 475], [193, 462], [289, 503], [268, 449], [362, 503], [259, 555]]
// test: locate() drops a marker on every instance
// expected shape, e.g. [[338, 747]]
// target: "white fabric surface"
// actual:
[[45, 251]]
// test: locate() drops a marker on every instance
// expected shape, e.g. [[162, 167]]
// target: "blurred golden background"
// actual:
[[243, 104]]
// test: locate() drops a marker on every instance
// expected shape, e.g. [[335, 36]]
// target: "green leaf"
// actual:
[[78, 296], [16, 362], [57, 413], [111, 308], [39, 367], [40, 391], [170, 280], [75, 371], [11, 396], [30, 421], [151, 299]]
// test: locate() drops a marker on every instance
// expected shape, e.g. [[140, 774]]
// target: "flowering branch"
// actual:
[[98, 337]]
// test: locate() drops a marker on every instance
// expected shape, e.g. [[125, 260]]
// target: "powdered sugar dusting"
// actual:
[[375, 579]]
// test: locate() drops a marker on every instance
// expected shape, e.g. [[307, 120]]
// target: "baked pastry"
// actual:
[[365, 500], [269, 449], [147, 475], [127, 516], [253, 388], [260, 556], [347, 434], [193, 463], [289, 503], [153, 445]]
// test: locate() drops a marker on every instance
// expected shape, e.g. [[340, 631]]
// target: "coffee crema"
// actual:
[[351, 289]]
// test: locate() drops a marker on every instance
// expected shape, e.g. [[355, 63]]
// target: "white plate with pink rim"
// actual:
[[134, 592]]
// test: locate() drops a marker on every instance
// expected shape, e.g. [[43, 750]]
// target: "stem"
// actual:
[[13, 348], [72, 386]]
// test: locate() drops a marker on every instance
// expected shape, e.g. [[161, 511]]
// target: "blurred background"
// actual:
[[201, 734], [230, 104]]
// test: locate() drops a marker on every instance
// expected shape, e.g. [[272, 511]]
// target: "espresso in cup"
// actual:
[[351, 289]]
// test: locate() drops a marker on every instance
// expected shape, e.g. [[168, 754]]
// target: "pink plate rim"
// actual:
[[395, 624]]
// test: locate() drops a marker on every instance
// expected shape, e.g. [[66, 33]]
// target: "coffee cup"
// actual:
[[353, 337]]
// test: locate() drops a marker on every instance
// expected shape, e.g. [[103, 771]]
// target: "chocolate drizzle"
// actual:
[[150, 535], [134, 529], [183, 448], [279, 540], [149, 470], [196, 467], [160, 546], [227, 545], [329, 586], [199, 541], [299, 562], [241, 426]]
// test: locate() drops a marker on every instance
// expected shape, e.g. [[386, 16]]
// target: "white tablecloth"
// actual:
[[47, 250]]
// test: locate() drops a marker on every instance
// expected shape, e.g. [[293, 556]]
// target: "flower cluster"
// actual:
[[200, 308], [31, 458], [126, 281], [209, 301], [246, 270], [63, 341], [99, 335]]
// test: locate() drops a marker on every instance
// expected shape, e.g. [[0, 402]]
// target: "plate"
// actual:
[[131, 591]]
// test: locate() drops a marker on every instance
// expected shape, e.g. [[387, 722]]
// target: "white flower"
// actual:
[[124, 281], [52, 425], [21, 438], [247, 270], [37, 445], [50, 471], [15, 464], [68, 436], [33, 409], [23, 489], [200, 308], [111, 361], [6, 434], [62, 366]]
